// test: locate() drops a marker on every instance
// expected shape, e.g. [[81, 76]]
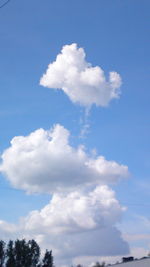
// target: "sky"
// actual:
[[74, 127]]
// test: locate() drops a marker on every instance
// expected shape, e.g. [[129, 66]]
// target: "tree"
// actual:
[[48, 259], [2, 253], [20, 253], [10, 255], [34, 253], [23, 254], [79, 265], [97, 264], [26, 254]]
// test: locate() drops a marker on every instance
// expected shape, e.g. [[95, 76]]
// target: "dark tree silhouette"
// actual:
[[2, 253], [97, 264], [20, 253], [23, 254], [79, 265], [48, 259], [10, 255], [34, 253]]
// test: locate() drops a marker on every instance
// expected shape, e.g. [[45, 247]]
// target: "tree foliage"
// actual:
[[48, 259], [23, 254], [2, 253], [97, 264]]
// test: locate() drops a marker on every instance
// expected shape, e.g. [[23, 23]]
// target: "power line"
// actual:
[[4, 4]]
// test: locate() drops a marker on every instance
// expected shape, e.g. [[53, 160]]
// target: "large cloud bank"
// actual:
[[79, 223], [81, 217], [75, 224], [44, 161], [81, 82]]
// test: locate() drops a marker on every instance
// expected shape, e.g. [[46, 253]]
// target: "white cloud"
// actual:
[[44, 161], [7, 230], [80, 224], [75, 224], [81, 82], [77, 212], [81, 217], [101, 242]]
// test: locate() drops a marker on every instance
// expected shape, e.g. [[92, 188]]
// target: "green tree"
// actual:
[[34, 253], [2, 253], [10, 255], [24, 254], [48, 259], [97, 264], [79, 265], [27, 254], [20, 253]]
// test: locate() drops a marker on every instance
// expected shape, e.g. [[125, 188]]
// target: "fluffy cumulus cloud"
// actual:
[[83, 211], [80, 223], [76, 224], [44, 161], [81, 82]]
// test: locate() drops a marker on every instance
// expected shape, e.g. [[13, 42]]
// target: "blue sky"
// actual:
[[115, 36]]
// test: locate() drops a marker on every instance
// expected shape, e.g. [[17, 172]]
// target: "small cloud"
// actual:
[[85, 124], [82, 83], [84, 130]]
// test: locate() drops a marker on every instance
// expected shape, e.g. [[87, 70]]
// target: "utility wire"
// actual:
[[5, 4]]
